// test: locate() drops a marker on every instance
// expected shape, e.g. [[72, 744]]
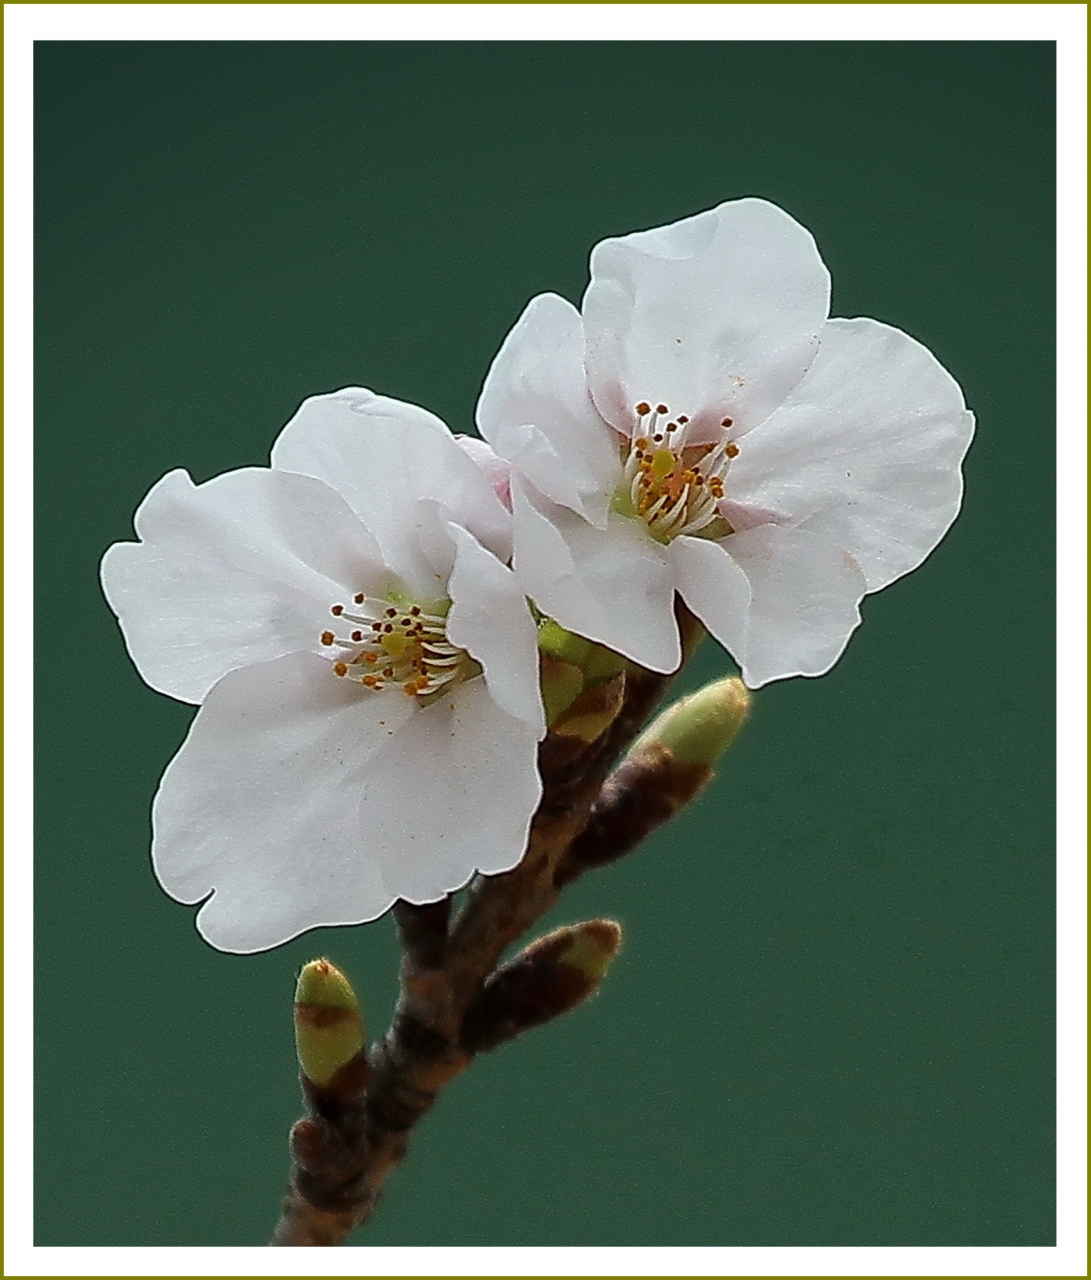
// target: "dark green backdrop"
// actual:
[[832, 1022]]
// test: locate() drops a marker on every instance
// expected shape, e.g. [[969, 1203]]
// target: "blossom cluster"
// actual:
[[358, 622]]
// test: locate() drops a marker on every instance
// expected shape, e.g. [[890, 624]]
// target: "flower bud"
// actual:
[[698, 729], [329, 1028], [664, 770], [552, 976]]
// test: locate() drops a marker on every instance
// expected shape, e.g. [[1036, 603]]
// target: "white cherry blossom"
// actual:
[[365, 664], [702, 427]]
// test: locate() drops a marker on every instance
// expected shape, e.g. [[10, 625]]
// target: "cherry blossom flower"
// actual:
[[366, 669], [703, 427]]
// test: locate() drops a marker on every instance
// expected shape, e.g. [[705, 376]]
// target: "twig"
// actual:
[[344, 1151], [423, 930]]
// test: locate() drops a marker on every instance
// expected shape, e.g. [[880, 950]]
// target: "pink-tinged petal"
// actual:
[[240, 569], [301, 800], [490, 619], [535, 410], [262, 804], [716, 316], [867, 450], [383, 456], [611, 585], [497, 470], [796, 611]]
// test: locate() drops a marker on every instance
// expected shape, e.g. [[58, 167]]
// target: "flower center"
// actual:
[[396, 644], [673, 486]]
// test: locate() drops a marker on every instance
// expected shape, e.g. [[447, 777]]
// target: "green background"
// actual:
[[832, 1021]]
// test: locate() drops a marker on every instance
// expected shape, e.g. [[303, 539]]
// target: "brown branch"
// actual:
[[329, 1155], [345, 1149], [423, 930]]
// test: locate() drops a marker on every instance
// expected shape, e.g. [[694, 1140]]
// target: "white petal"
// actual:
[[796, 611], [867, 450], [716, 316], [262, 804], [383, 456], [611, 585], [489, 618], [715, 589], [454, 795], [237, 570], [535, 410], [304, 800]]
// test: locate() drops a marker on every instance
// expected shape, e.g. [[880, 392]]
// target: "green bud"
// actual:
[[329, 1028], [591, 948], [698, 729]]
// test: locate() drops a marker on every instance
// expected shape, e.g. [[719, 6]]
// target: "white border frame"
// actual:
[[1065, 23]]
